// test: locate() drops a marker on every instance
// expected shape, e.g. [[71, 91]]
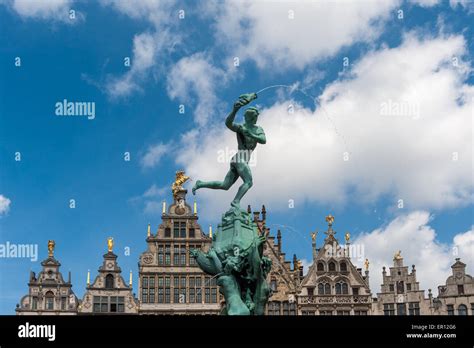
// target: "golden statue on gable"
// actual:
[[177, 186], [51, 245]]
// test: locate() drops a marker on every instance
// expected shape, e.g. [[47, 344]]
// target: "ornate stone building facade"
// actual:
[[400, 292], [49, 293], [170, 281], [108, 293], [333, 285], [456, 296], [284, 279]]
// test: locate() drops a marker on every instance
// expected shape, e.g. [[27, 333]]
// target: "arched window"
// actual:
[[462, 310], [320, 289], [345, 289], [324, 289], [109, 281], [343, 266], [327, 289], [342, 288], [320, 266], [49, 301], [332, 266]]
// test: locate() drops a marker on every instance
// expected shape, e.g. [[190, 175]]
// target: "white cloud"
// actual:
[[425, 3], [264, 32], [4, 205], [154, 191], [45, 10], [402, 156], [464, 246], [465, 4], [194, 80], [148, 47], [154, 154], [418, 242]]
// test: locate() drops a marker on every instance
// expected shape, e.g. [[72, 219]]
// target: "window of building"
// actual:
[[332, 266], [176, 255], [179, 229], [292, 308], [343, 266], [311, 291], [35, 303], [342, 312], [167, 289], [462, 310], [63, 303], [401, 309], [208, 285], [274, 308], [323, 312], [96, 304], [408, 287], [324, 288], [213, 295], [461, 289], [167, 232], [145, 295], [286, 308], [308, 312], [101, 304], [472, 308], [167, 255], [450, 309], [400, 287], [109, 281], [413, 308], [161, 256], [151, 289], [198, 289], [320, 266], [161, 290], [176, 230], [192, 260], [355, 291], [192, 233], [273, 285], [357, 312], [391, 287], [389, 309], [49, 304], [342, 288], [117, 304]]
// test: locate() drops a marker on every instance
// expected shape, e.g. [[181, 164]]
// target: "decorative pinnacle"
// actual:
[[330, 219]]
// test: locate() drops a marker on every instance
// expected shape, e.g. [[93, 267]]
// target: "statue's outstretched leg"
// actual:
[[229, 180], [244, 172]]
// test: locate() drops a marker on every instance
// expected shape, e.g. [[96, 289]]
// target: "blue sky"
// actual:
[[190, 61]]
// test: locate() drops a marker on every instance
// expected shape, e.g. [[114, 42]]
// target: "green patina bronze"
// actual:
[[236, 255]]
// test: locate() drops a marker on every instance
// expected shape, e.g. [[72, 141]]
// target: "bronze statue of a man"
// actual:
[[248, 136]]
